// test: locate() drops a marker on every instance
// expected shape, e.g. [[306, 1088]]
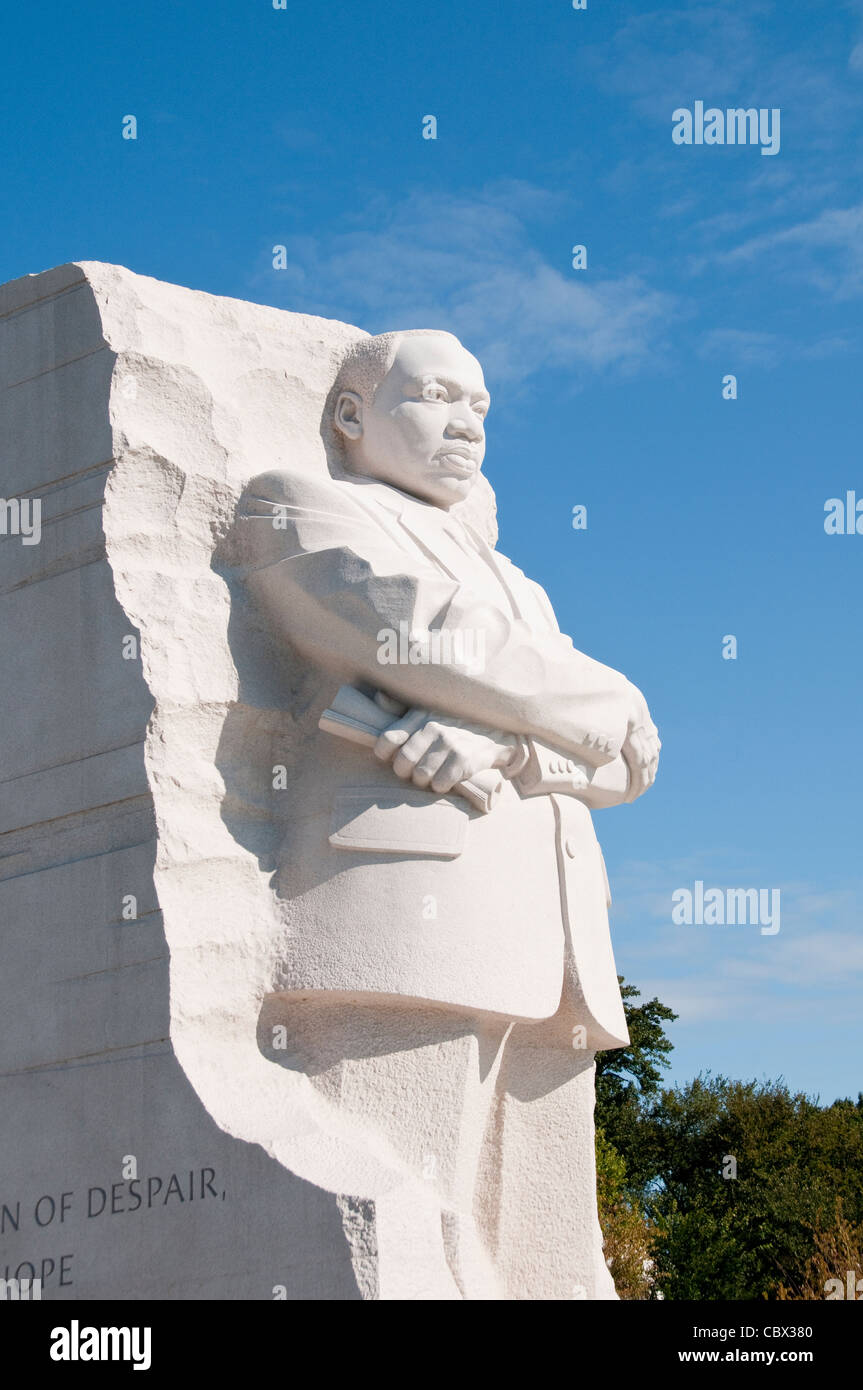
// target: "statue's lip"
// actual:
[[470, 460]]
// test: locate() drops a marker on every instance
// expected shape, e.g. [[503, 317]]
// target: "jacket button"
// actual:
[[570, 847]]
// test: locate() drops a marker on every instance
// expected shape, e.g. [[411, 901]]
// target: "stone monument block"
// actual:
[[286, 1014], [133, 412]]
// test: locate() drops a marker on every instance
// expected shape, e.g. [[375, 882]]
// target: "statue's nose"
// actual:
[[465, 424]]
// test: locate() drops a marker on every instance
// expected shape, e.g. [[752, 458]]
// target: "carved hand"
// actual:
[[436, 751], [641, 746]]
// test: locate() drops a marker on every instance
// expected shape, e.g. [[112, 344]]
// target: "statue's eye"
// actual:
[[433, 391]]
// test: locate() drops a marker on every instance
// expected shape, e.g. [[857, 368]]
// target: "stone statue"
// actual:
[[297, 791], [444, 972]]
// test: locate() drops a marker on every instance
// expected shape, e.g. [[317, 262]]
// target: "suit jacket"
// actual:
[[388, 889]]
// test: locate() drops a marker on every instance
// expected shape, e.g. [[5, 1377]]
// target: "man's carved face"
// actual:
[[424, 431]]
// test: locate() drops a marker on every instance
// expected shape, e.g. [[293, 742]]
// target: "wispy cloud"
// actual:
[[733, 973], [666, 56], [784, 218], [745, 347], [469, 264], [826, 251], [855, 57]]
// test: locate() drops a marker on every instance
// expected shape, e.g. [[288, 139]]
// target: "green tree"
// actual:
[[745, 1177], [737, 1189], [626, 1229], [624, 1159], [628, 1076], [635, 1068]]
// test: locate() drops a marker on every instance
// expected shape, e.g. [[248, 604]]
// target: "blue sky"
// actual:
[[302, 127]]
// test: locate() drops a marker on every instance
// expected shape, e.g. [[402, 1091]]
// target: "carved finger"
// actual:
[[451, 771], [398, 733], [412, 751], [429, 764]]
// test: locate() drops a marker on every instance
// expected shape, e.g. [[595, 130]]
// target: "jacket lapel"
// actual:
[[460, 552]]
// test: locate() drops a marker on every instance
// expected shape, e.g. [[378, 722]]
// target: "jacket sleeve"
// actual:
[[332, 581]]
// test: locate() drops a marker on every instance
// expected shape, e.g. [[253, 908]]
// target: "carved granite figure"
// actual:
[[445, 971]]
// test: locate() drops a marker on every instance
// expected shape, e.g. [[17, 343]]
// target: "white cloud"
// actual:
[[468, 264], [735, 974], [736, 347], [826, 251], [664, 57], [742, 347]]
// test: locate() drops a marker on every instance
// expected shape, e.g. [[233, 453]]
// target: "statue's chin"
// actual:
[[447, 491], [432, 485]]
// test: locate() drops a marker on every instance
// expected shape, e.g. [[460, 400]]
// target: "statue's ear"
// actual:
[[348, 415]]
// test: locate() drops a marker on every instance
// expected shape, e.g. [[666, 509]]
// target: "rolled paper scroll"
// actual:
[[355, 717]]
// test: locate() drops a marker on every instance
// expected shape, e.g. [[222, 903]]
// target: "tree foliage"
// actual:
[[745, 1189]]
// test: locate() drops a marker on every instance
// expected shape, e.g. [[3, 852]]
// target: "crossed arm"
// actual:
[[433, 750], [329, 578]]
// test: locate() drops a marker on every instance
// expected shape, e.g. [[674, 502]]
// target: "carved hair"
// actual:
[[367, 361]]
